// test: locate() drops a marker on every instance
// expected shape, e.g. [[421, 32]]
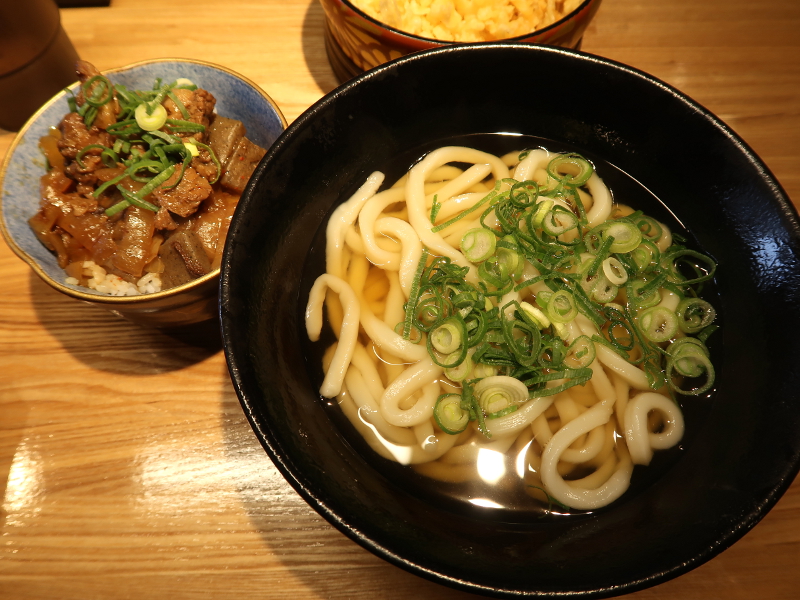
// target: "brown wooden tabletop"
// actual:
[[127, 468]]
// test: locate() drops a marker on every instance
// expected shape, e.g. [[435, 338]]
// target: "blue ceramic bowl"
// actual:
[[742, 445], [196, 301]]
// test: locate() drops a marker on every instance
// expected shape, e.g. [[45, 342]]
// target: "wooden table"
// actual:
[[127, 468]]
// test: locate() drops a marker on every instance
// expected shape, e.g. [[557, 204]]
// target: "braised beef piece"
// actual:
[[164, 220], [184, 198], [75, 136], [80, 205], [85, 174], [85, 189], [85, 71], [199, 104], [107, 113], [205, 165]]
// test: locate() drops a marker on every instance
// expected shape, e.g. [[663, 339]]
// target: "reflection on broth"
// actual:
[[505, 328]]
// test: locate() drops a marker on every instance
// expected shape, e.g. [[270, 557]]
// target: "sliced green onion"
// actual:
[[435, 207], [530, 341], [522, 338], [152, 167], [542, 209], [97, 91], [561, 307], [626, 236], [705, 333], [602, 253], [429, 311], [470, 402], [116, 208], [694, 314], [151, 185], [149, 155], [72, 102], [461, 371], [124, 128], [572, 378], [107, 155], [558, 221], [535, 315], [703, 266], [643, 293], [136, 200], [448, 414], [509, 256], [447, 337], [614, 271], [167, 137], [650, 228], [150, 118], [570, 169], [495, 273], [184, 113], [580, 353], [478, 244], [488, 198], [101, 188], [689, 358], [415, 337], [603, 290], [482, 370], [645, 255], [543, 298], [687, 346], [658, 324], [183, 126], [498, 392], [523, 194], [503, 412]]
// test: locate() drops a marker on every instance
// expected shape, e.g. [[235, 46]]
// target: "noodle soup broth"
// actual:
[[499, 486]]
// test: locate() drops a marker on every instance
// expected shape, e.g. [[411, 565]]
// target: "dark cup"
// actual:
[[37, 59]]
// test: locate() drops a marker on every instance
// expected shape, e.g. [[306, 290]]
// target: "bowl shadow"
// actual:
[[325, 560], [116, 345], [314, 53]]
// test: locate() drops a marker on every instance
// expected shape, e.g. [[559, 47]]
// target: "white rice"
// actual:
[[114, 285]]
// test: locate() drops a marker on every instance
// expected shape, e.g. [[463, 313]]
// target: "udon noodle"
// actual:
[[487, 307]]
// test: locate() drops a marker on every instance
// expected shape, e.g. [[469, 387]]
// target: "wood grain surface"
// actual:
[[127, 468]]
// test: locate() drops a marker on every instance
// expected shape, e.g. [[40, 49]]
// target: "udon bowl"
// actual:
[[24, 164], [356, 42], [741, 450]]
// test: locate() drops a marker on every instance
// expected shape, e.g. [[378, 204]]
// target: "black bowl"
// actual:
[[742, 448]]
